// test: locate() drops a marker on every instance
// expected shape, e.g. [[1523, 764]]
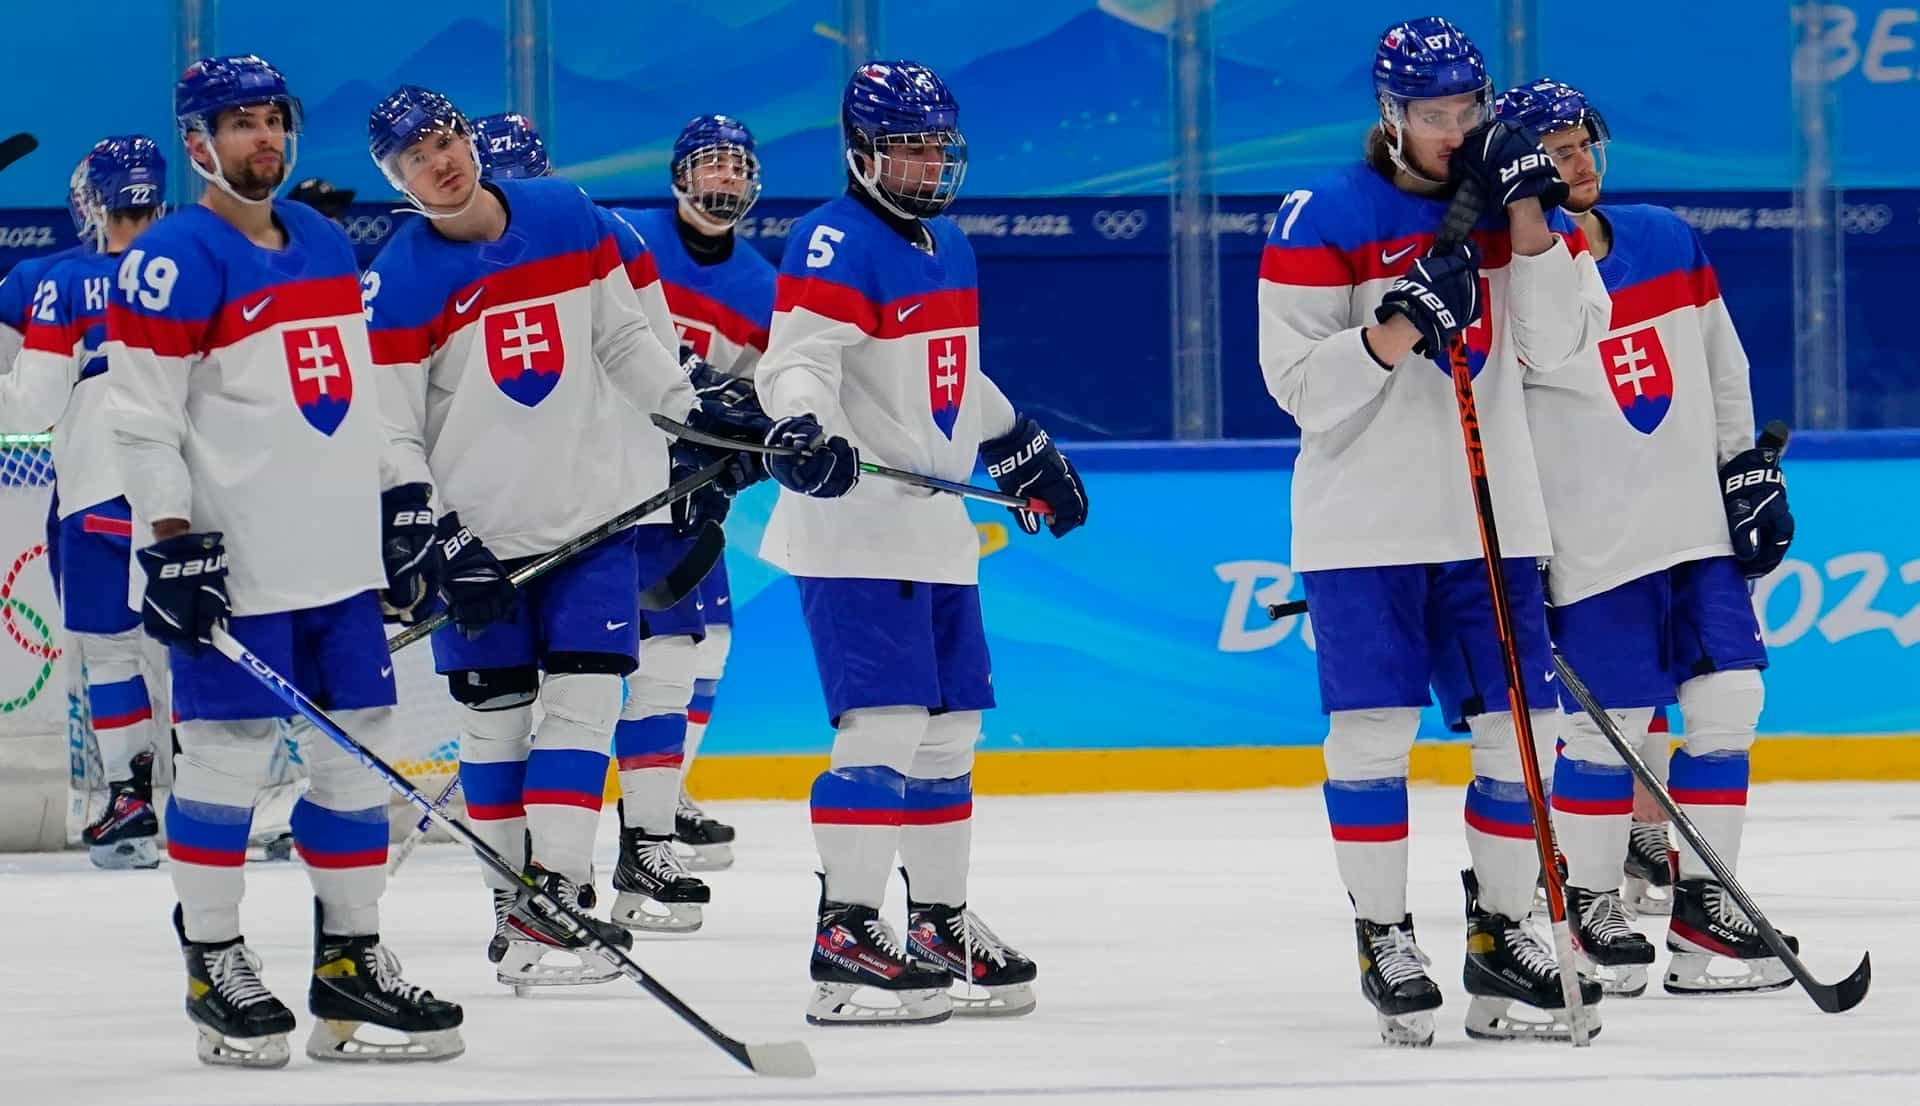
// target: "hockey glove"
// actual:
[[406, 547], [1758, 520], [1510, 164], [742, 424], [828, 468], [472, 579], [707, 503], [1439, 295], [710, 383], [186, 589], [1025, 462]]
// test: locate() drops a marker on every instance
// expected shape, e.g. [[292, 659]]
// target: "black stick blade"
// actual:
[[1836, 998], [15, 147], [681, 580]]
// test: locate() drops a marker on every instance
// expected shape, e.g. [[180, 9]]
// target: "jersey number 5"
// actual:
[[148, 280], [820, 246]]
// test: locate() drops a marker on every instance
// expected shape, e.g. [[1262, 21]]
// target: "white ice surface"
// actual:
[[1193, 949]]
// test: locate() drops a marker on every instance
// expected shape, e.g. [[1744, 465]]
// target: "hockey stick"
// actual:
[[1831, 997], [419, 831], [954, 487], [658, 596], [15, 147], [1462, 213], [784, 1058], [1278, 611]]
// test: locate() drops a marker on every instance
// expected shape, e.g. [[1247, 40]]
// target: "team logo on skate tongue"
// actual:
[[946, 379], [322, 380], [1641, 378], [524, 352]]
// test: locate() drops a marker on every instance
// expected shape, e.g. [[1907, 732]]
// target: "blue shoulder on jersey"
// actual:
[[20, 283], [632, 244], [843, 242], [743, 283], [1648, 242]]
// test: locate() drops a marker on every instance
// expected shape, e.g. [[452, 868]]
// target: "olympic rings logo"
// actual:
[[44, 649], [362, 229], [1119, 225], [1865, 218]]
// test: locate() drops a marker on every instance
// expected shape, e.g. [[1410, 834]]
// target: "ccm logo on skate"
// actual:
[[1741, 480], [1026, 453], [194, 568]]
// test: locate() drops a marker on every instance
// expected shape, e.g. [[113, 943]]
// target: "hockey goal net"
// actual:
[[51, 780]]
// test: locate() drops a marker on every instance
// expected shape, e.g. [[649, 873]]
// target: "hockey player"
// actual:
[[245, 426], [654, 890], [505, 315], [875, 347], [721, 294], [59, 380], [1650, 566], [20, 283], [1352, 314]]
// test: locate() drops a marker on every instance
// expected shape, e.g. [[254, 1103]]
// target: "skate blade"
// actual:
[[632, 910], [1643, 899], [1693, 973], [1498, 1018], [840, 1004], [133, 854], [1622, 980], [527, 964], [362, 1042], [1413, 1030], [704, 858], [1009, 1001], [220, 1050]]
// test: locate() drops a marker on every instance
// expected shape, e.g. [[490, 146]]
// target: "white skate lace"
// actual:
[[1728, 913], [235, 975], [881, 936], [689, 809], [386, 975], [1649, 840], [1531, 955], [1603, 917], [1396, 956], [975, 937], [659, 858]]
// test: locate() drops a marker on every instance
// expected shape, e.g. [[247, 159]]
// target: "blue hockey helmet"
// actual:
[[1547, 107], [714, 168], [1429, 59], [213, 85], [127, 173], [510, 147], [396, 127], [901, 118]]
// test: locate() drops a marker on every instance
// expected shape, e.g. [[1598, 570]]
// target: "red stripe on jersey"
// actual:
[[159, 336], [1650, 299], [1327, 266], [294, 302], [56, 338], [694, 307], [1576, 240], [535, 280], [641, 271], [947, 309], [1306, 266], [824, 297]]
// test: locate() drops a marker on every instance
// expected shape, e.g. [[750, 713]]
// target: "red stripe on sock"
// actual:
[[181, 853], [119, 721], [938, 816], [1371, 834], [845, 816], [650, 760], [494, 812], [1567, 804], [698, 717], [365, 858], [1502, 829], [582, 799], [1709, 798]]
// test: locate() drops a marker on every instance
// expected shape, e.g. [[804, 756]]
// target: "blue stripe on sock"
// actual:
[[937, 794], [1381, 802], [116, 699], [1582, 779], [575, 771], [1499, 801], [493, 784], [323, 832], [869, 787], [208, 826], [662, 733]]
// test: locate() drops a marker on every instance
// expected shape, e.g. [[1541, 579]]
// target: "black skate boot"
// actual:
[[238, 1019], [995, 980], [502, 932], [656, 893], [1393, 977], [127, 833], [855, 950], [1611, 953], [534, 934], [356, 982], [1506, 967], [705, 841], [1649, 869], [1708, 923]]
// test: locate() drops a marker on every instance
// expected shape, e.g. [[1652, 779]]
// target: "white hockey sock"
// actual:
[[217, 774], [567, 769], [493, 772], [649, 739]]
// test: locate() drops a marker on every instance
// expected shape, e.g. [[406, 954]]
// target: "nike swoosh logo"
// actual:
[[1389, 258], [720, 602], [385, 671], [252, 313], [615, 625], [1550, 677], [901, 314], [460, 306]]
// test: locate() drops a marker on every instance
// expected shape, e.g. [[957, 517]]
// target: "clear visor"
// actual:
[[1441, 118], [1577, 154], [920, 174], [444, 151], [720, 182]]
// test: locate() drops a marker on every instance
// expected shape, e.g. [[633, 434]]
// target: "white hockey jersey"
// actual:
[[1382, 474], [59, 380], [1631, 436], [242, 400], [511, 368], [880, 341]]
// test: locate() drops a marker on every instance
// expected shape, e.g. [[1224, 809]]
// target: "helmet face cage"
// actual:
[[902, 176], [83, 204], [721, 181]]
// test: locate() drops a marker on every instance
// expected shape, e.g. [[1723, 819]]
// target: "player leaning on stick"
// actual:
[[1651, 561], [1351, 313], [875, 349], [241, 396]]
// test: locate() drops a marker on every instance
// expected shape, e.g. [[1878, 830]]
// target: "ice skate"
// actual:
[[656, 893], [704, 843], [1513, 979], [991, 979], [1394, 979], [861, 975], [364, 1011], [541, 949], [127, 833], [1708, 924], [1611, 952], [238, 1020], [1649, 869]]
